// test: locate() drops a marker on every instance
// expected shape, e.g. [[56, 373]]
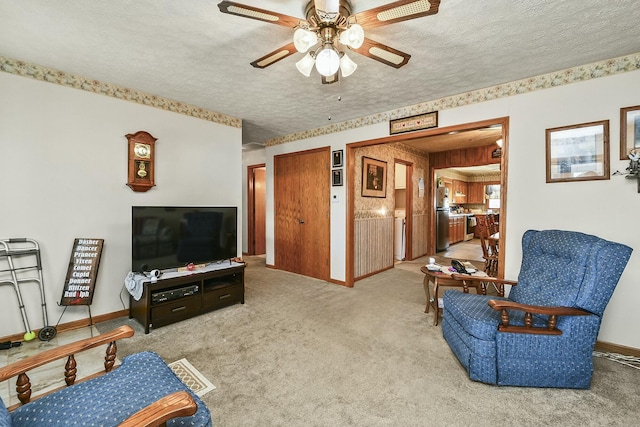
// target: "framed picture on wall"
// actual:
[[578, 152], [629, 131], [374, 178], [336, 177], [419, 122], [337, 161]]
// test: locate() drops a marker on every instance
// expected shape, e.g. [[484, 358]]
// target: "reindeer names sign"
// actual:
[[82, 272]]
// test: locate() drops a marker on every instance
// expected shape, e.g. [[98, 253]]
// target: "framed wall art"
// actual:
[[578, 152], [337, 161], [629, 131], [419, 122], [374, 178], [336, 177]]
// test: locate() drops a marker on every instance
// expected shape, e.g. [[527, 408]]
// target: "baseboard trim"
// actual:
[[339, 282], [76, 324], [373, 273], [607, 347]]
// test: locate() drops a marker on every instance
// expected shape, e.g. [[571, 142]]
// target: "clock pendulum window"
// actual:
[[141, 161]]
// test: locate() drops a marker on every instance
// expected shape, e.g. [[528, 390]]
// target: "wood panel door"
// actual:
[[302, 227], [287, 213]]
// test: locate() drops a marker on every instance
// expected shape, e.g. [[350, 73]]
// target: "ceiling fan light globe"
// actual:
[[304, 39], [329, 6], [305, 65], [327, 10], [353, 36], [347, 66], [327, 62]]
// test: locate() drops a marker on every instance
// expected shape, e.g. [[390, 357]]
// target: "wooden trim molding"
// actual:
[[251, 215], [607, 347], [75, 324], [337, 282]]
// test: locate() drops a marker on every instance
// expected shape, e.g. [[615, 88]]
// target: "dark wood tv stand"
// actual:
[[173, 299]]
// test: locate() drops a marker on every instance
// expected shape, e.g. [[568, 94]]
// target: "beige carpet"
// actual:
[[302, 352]]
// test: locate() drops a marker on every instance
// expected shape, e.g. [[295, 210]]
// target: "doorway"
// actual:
[[256, 196], [403, 213], [442, 151]]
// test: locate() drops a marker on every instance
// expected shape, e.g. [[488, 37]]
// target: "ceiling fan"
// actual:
[[330, 29]]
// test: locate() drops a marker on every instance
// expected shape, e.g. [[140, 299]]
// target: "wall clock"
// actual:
[[141, 161]]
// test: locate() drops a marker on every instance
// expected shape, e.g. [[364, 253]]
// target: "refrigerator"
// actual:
[[442, 218]]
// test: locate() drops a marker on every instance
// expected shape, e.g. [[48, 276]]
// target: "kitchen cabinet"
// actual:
[[475, 192], [460, 228], [459, 192], [456, 228]]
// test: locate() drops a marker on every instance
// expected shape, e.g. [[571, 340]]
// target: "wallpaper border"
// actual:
[[26, 69], [544, 81]]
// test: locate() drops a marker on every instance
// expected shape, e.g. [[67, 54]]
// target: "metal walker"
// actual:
[[19, 259]]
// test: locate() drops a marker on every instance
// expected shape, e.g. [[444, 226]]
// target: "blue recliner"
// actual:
[[544, 333]]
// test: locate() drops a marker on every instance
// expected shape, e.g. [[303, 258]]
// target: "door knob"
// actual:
[[301, 221]]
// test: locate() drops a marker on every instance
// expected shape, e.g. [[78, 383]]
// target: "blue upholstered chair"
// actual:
[[142, 391], [544, 333]]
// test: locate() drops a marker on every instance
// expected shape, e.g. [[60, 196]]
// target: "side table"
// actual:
[[440, 278]]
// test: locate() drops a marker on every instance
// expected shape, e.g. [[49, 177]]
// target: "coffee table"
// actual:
[[443, 278]]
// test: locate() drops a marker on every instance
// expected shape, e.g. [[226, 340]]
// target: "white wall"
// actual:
[[63, 159], [608, 208]]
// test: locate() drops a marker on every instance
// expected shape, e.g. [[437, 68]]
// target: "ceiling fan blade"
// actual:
[[233, 8], [383, 53], [275, 56], [396, 11]]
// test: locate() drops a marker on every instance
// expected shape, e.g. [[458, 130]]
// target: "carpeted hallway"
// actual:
[[302, 352]]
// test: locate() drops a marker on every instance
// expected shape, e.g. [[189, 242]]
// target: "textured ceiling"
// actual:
[[190, 52]]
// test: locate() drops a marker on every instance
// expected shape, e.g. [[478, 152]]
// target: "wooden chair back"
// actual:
[[489, 250]]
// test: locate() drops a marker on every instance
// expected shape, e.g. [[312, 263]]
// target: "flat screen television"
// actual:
[[165, 237]]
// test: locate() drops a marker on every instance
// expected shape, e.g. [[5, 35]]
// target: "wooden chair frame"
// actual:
[[178, 404]]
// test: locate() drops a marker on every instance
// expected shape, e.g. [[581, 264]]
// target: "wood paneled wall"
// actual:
[[420, 230], [373, 243]]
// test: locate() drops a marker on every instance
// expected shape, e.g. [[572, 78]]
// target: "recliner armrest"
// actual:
[[553, 312], [178, 404]]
